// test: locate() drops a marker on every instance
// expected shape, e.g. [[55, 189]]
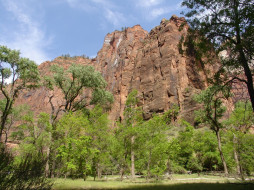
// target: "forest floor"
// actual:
[[177, 182]]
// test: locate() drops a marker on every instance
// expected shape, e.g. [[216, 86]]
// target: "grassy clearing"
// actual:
[[178, 182]]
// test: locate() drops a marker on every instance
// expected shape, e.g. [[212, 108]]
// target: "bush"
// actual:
[[177, 169], [28, 174]]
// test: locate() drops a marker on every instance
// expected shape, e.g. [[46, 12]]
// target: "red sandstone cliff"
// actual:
[[136, 59]]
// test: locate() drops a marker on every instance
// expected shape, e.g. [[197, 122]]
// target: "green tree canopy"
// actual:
[[213, 111], [73, 82], [228, 25], [16, 74]]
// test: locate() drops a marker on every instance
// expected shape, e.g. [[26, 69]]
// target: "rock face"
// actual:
[[148, 62]]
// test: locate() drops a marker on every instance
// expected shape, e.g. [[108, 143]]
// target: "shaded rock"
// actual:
[[135, 59]]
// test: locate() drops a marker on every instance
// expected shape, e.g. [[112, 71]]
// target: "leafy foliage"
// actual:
[[25, 174], [20, 73], [226, 27], [242, 117], [213, 108], [73, 81]]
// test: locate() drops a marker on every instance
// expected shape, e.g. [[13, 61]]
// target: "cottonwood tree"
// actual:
[[152, 139], [212, 113], [228, 26], [132, 118], [98, 130], [74, 151], [16, 74], [16, 115], [240, 121], [73, 82], [206, 149]]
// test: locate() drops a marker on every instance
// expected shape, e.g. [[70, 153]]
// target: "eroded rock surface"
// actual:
[[135, 59]]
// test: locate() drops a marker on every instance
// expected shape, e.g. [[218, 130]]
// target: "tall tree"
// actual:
[[212, 113], [132, 118], [240, 121], [229, 26], [81, 86], [152, 139], [16, 115], [16, 74], [72, 83], [74, 148], [100, 134]]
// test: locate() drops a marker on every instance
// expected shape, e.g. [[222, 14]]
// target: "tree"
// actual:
[[212, 113], [240, 121], [153, 141], [246, 152], [27, 173], [27, 164], [16, 74], [228, 26], [186, 144], [72, 83], [100, 134], [73, 150], [16, 115], [132, 118], [77, 83], [124, 144], [120, 148], [35, 137], [83, 144], [206, 149], [242, 117]]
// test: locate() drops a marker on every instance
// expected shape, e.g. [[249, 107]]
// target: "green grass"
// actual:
[[178, 182]]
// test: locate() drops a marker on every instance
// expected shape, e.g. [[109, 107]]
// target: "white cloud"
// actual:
[[28, 38], [161, 10], [80, 4], [158, 12], [105, 3], [104, 7], [114, 17], [149, 3], [72, 3]]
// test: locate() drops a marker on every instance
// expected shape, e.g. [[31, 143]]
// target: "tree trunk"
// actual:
[[47, 163], [53, 166], [3, 121], [99, 171], [5, 114], [221, 154], [6, 137], [48, 153], [236, 156], [243, 60], [132, 158], [248, 75], [237, 162], [148, 166], [169, 169], [121, 173]]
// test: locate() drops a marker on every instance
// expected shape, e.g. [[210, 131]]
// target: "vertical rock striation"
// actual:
[[148, 62]]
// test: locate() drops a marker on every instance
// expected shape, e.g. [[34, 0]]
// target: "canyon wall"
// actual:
[[135, 59]]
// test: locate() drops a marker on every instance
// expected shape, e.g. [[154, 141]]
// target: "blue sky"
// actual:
[[45, 29]]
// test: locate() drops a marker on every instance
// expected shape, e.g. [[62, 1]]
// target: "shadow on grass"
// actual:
[[190, 186], [199, 186]]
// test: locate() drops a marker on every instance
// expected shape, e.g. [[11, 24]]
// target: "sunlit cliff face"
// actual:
[[135, 59]]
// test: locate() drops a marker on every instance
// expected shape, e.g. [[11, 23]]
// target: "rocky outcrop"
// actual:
[[135, 59], [152, 64]]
